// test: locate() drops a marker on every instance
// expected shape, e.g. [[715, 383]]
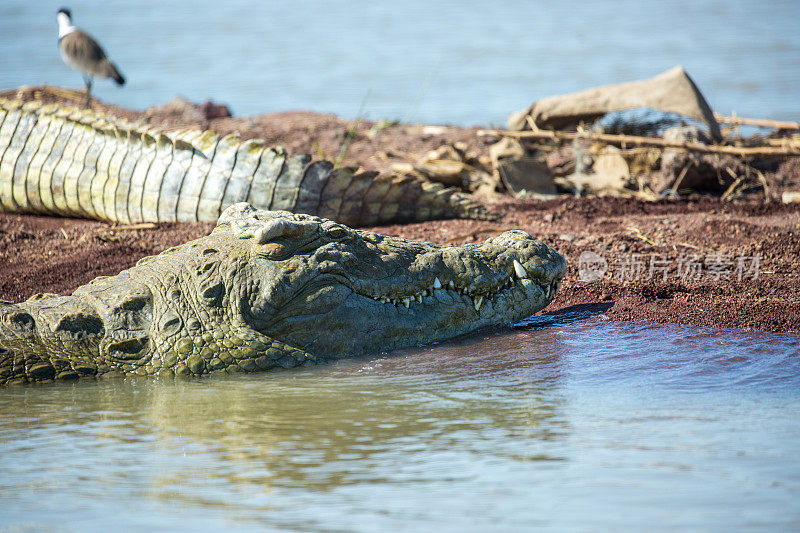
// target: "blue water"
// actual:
[[565, 425], [465, 62]]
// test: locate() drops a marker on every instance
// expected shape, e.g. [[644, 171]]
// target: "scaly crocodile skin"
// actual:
[[271, 289], [72, 162]]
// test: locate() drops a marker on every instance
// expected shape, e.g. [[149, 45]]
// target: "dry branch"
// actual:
[[761, 122], [645, 141], [792, 142]]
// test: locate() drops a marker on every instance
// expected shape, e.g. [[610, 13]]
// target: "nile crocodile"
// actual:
[[72, 162], [271, 289]]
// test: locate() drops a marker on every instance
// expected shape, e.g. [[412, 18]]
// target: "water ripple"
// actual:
[[503, 429]]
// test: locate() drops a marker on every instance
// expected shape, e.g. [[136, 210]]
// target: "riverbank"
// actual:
[[683, 262], [694, 261]]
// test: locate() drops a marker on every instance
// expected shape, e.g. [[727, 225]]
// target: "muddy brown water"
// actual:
[[567, 422]]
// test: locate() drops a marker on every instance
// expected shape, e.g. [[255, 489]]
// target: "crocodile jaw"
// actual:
[[371, 292], [274, 289]]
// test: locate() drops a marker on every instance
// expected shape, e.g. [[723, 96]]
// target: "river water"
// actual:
[[462, 62], [578, 425], [561, 425]]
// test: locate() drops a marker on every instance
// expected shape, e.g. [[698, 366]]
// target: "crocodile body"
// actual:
[[273, 289], [72, 162]]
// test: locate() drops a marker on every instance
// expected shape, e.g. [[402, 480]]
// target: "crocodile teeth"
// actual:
[[478, 302], [451, 285], [519, 269], [406, 302], [437, 284], [547, 293], [418, 297]]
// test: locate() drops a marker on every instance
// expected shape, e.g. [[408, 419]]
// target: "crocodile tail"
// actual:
[[369, 198], [74, 162]]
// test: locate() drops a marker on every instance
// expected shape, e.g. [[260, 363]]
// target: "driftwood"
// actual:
[[786, 142], [760, 122], [646, 141]]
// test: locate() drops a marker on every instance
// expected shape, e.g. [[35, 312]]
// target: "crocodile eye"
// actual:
[[336, 232]]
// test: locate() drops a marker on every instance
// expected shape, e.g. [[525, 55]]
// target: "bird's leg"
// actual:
[[88, 91]]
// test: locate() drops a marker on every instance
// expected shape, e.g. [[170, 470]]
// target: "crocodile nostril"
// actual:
[[516, 238]]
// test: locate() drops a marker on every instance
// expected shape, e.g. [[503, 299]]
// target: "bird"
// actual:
[[81, 52]]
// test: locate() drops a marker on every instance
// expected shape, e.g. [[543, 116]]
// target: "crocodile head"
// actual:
[[268, 289], [332, 290]]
